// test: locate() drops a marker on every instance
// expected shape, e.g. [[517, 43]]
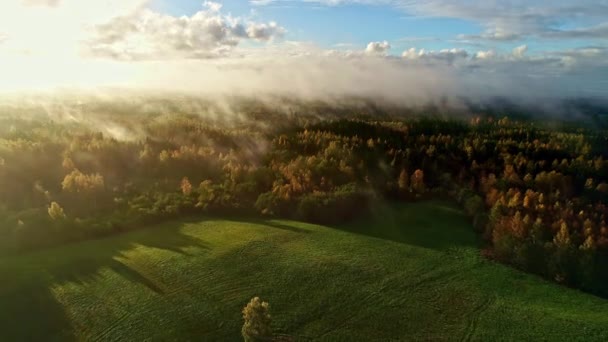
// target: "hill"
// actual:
[[410, 272]]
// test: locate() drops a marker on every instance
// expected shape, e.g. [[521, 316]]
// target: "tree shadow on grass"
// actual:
[[277, 223], [82, 262], [29, 310], [435, 225], [282, 226]]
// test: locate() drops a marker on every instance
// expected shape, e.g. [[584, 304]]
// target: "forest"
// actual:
[[535, 190]]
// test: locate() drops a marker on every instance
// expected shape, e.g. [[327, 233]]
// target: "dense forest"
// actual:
[[536, 192]]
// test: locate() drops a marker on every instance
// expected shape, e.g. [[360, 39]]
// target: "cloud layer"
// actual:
[[126, 44], [505, 20]]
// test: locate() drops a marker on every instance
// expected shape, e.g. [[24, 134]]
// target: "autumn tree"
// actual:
[[186, 186], [562, 238], [257, 319], [77, 181], [86, 190], [564, 259], [56, 212], [404, 181], [418, 181], [68, 163]]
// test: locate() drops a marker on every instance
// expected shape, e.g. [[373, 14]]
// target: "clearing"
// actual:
[[412, 272]]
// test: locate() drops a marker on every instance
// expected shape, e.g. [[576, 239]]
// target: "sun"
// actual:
[[43, 43]]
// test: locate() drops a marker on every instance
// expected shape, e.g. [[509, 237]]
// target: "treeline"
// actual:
[[535, 194]]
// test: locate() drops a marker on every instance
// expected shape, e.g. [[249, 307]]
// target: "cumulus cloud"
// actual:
[[378, 48], [485, 54], [411, 53], [213, 6], [520, 51], [264, 31], [448, 56], [147, 34]]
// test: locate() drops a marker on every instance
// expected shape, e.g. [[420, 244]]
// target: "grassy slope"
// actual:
[[414, 273]]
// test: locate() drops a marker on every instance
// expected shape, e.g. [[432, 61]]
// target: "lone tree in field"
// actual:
[[257, 321], [56, 212]]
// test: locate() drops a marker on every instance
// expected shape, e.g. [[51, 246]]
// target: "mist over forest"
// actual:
[[334, 170], [93, 165]]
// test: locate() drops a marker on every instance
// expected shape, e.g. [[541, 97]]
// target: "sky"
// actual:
[[396, 49], [423, 24]]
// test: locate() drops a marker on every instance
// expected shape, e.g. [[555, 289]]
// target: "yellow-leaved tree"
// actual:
[[56, 211], [257, 321]]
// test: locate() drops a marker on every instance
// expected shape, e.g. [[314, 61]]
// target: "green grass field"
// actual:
[[412, 273]]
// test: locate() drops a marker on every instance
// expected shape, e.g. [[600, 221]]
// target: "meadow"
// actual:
[[408, 271]]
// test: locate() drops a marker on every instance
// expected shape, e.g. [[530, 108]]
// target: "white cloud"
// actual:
[[378, 48], [303, 70], [447, 56], [489, 54], [62, 30], [520, 51], [264, 31], [213, 6], [147, 34], [411, 53], [309, 73]]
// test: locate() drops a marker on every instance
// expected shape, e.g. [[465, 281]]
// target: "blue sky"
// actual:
[[352, 24], [339, 26]]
